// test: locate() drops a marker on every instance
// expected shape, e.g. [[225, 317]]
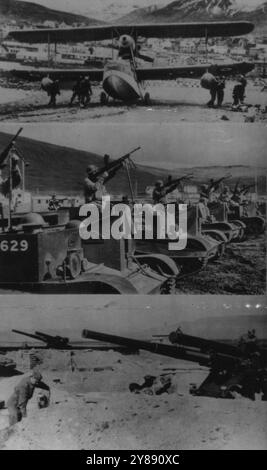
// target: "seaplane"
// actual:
[[124, 79]]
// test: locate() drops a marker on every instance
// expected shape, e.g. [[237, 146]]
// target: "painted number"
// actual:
[[14, 245]]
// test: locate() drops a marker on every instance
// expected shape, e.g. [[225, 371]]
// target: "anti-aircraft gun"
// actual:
[[111, 167], [233, 369], [171, 184], [4, 154]]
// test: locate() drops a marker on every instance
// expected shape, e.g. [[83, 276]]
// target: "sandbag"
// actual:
[[46, 83], [208, 81]]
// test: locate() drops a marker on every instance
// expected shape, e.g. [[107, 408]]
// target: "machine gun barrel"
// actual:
[[215, 184], [156, 348], [171, 185], [115, 163], [5, 152], [246, 188], [205, 345]]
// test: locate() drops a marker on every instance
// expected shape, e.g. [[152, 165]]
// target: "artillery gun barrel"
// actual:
[[156, 348], [55, 340], [205, 345], [28, 334]]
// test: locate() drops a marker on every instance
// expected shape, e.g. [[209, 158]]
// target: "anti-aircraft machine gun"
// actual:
[[233, 369], [114, 165]]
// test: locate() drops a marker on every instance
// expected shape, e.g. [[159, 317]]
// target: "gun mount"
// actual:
[[241, 369]]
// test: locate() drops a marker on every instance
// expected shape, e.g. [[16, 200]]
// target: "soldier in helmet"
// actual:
[[15, 177], [159, 193], [23, 392], [239, 91], [53, 92], [85, 91], [94, 186], [220, 90], [76, 91]]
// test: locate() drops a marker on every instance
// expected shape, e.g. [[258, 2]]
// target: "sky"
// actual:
[[112, 9], [101, 9], [128, 315], [173, 145]]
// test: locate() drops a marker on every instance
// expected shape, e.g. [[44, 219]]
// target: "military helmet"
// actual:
[[36, 375], [91, 169], [159, 183]]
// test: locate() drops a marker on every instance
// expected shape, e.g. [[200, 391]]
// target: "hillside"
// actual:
[[33, 14], [62, 169], [203, 10]]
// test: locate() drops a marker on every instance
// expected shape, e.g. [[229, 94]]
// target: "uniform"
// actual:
[[239, 92], [76, 91], [220, 91], [85, 91], [94, 188], [159, 193], [53, 92], [23, 392]]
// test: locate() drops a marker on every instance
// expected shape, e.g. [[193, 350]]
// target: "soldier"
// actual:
[[15, 177], [213, 93], [53, 92], [159, 193], [220, 91], [94, 186], [76, 91], [85, 91], [23, 392], [239, 91]]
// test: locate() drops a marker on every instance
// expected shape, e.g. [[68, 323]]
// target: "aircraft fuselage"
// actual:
[[119, 81]]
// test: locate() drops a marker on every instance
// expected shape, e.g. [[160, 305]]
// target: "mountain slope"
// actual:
[[53, 168], [203, 10], [34, 13]]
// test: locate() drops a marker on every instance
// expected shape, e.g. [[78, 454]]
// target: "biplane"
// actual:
[[123, 79]]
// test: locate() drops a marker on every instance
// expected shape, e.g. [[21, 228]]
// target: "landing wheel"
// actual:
[[74, 265], [147, 99], [103, 98]]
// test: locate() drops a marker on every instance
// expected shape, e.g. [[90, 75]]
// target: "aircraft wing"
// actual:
[[192, 71], [64, 75], [159, 30]]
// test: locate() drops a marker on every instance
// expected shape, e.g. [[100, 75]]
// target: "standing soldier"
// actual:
[[239, 91], [23, 392], [94, 186], [159, 193], [85, 91], [220, 90], [53, 92], [76, 91]]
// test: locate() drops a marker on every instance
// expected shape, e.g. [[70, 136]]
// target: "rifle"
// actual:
[[115, 164], [7, 149], [172, 185]]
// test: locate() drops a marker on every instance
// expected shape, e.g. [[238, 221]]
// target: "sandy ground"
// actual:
[[92, 408], [171, 102]]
